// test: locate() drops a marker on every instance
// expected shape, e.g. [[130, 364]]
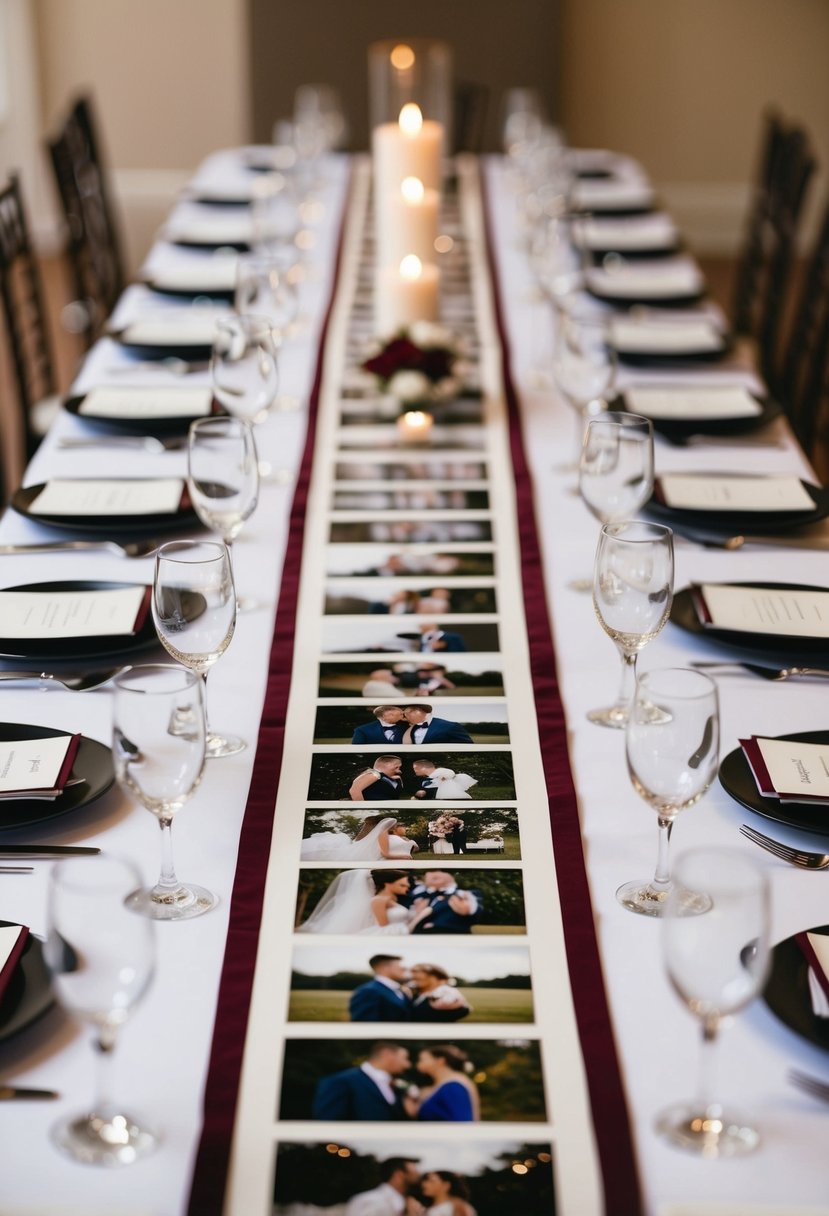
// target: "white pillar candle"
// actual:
[[409, 147], [407, 222], [405, 293], [415, 426]]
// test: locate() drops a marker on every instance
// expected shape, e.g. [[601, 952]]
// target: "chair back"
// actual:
[[94, 246], [804, 381], [22, 306]]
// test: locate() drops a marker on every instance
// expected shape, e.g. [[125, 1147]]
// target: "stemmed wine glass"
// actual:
[[194, 609], [267, 286], [633, 587], [245, 370], [583, 364], [158, 747], [222, 474], [717, 964], [102, 960], [672, 744]]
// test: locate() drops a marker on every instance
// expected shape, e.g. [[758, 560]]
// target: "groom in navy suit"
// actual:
[[421, 727], [366, 1092], [451, 910], [388, 726], [383, 998]]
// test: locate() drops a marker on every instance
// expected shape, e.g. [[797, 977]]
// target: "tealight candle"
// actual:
[[410, 147], [415, 426], [405, 293], [407, 222]]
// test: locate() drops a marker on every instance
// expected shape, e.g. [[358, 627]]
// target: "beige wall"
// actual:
[[681, 85]]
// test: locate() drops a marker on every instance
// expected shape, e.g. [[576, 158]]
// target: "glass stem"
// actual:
[[207, 731], [628, 685], [662, 876], [708, 1105], [104, 1046], [167, 881]]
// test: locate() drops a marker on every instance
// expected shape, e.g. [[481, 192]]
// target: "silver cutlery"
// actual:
[[16, 1093], [766, 673], [46, 850], [133, 548], [709, 540], [725, 441], [85, 682], [17, 869], [796, 857], [810, 1085], [145, 443], [178, 367]]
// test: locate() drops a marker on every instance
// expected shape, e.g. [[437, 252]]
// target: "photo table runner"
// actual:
[[412, 1008]]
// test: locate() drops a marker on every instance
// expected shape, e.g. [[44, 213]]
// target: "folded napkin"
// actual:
[[788, 769], [50, 758], [665, 336], [216, 273], [653, 279], [612, 195], [12, 944], [815, 948], [185, 327]]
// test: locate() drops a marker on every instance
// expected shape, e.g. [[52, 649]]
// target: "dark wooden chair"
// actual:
[[24, 318], [94, 245], [766, 260], [804, 379], [470, 103]]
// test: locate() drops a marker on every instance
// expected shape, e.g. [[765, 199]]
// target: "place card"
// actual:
[[612, 195], [815, 947], [727, 492], [653, 231], [782, 612], [196, 327], [211, 229], [788, 769], [102, 497], [129, 403], [12, 944], [55, 615], [680, 277], [36, 766], [637, 337], [692, 404], [213, 274]]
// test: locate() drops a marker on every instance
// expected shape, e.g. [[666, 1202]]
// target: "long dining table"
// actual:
[[168, 1050]]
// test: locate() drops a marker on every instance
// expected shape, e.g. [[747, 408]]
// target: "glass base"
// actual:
[[244, 603], [646, 899], [185, 902], [615, 716], [223, 745], [111, 1139], [582, 585], [711, 1133]]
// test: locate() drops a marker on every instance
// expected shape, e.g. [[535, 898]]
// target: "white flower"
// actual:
[[428, 335], [410, 386]]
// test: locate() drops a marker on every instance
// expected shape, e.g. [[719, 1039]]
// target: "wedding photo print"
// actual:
[[349, 835], [383, 776], [460, 676], [413, 1080], [416, 723], [424, 498], [388, 561], [369, 634], [365, 1177], [410, 531], [419, 468], [386, 438], [442, 983], [390, 598], [382, 901]]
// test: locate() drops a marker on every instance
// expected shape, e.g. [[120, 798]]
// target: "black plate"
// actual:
[[192, 354], [194, 243], [93, 762], [657, 301], [737, 779], [730, 523], [770, 647], [106, 526], [669, 360], [29, 992], [787, 991], [679, 429], [136, 426], [190, 293]]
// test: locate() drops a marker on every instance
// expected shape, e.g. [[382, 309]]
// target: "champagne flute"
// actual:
[[102, 960], [159, 751], [633, 587], [194, 609], [672, 746], [583, 365], [717, 964]]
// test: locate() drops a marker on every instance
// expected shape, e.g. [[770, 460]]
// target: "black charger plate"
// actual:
[[109, 526], [737, 780], [29, 991], [679, 429], [171, 425], [730, 523], [771, 648], [787, 991], [93, 762]]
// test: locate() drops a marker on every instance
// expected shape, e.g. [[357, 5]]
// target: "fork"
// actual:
[[147, 443], [79, 683], [811, 1085], [797, 857], [766, 673], [132, 548]]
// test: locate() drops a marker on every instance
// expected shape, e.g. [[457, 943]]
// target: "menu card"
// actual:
[[147, 403], [726, 492], [195, 327], [101, 497], [12, 943], [815, 947], [232, 229], [644, 337], [655, 231], [678, 277], [612, 195], [212, 274], [51, 615], [788, 769], [692, 404], [36, 766], [787, 612]]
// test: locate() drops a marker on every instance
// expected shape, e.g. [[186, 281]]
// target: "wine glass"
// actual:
[[244, 366], [102, 959], [194, 609], [275, 212], [583, 364], [717, 964], [158, 747], [672, 745], [265, 287], [633, 587], [222, 474]]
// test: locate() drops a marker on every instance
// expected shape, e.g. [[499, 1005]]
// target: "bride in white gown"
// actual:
[[365, 902], [450, 784], [380, 838]]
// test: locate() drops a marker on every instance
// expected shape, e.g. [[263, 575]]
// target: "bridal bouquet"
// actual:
[[416, 365]]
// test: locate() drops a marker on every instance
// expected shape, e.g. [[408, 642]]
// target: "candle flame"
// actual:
[[416, 418], [402, 57], [411, 267], [411, 119], [412, 189]]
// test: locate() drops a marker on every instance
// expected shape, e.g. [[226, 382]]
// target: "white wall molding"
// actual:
[[710, 215]]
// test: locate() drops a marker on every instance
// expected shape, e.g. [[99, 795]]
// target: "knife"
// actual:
[[45, 850], [11, 1093]]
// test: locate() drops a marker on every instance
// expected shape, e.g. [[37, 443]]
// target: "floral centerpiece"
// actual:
[[416, 366]]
